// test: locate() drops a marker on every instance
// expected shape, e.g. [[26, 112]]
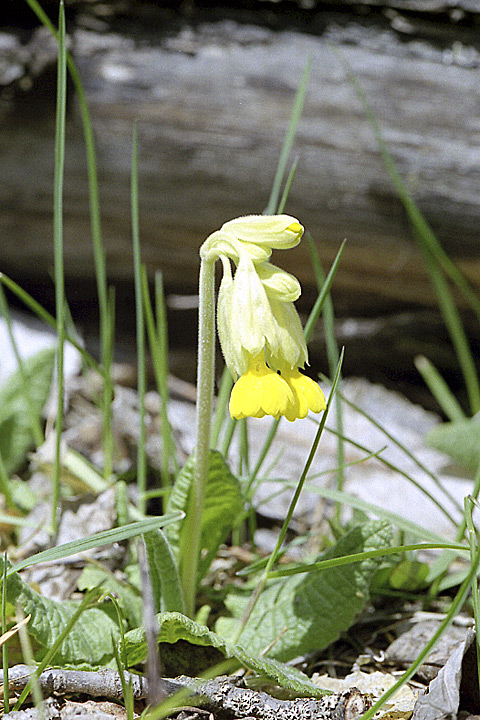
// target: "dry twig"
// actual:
[[220, 693]]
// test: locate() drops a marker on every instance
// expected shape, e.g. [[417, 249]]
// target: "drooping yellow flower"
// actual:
[[307, 395], [260, 391], [259, 329]]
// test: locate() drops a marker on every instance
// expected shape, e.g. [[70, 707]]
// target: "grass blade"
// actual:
[[141, 363], [359, 557], [98, 540], [435, 257], [293, 503], [273, 201], [60, 302], [439, 389], [455, 607], [320, 301], [332, 355]]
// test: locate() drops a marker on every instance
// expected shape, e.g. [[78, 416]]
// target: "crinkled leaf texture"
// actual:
[[174, 627], [459, 439], [164, 577], [223, 505], [15, 422], [89, 641], [307, 612], [127, 596]]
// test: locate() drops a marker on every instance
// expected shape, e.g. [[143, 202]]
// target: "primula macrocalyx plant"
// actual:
[[261, 338], [259, 329]]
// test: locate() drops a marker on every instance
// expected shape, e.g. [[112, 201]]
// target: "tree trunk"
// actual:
[[212, 94]]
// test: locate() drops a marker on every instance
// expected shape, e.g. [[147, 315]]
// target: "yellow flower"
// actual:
[[258, 326], [307, 395], [259, 392]]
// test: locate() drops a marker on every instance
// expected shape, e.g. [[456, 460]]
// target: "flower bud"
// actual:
[[274, 231]]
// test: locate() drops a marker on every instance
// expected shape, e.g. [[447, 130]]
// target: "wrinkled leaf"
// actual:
[[174, 627], [223, 504], [128, 597], [15, 419], [89, 641], [166, 586], [307, 612], [409, 575]]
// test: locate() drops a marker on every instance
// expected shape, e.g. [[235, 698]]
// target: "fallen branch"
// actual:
[[220, 693]]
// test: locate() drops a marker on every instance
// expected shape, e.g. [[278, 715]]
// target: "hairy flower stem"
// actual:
[[190, 550]]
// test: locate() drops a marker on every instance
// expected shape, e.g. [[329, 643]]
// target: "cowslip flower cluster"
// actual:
[[259, 329]]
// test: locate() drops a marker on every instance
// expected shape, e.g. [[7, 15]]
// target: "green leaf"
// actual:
[[174, 627], [223, 504], [89, 641], [459, 439], [128, 597], [409, 575], [315, 607], [15, 421], [95, 541], [166, 586]]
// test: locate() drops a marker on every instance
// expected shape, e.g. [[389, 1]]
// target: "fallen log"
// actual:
[[212, 95]]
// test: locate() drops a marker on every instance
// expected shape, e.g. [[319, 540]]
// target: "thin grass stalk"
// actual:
[[319, 302], [27, 653], [169, 452], [473, 539], [293, 503], [228, 432], [434, 255], [332, 355], [369, 508], [367, 555], [108, 344], [120, 655], [453, 322], [439, 568], [416, 217], [48, 657], [474, 497], [159, 354], [6, 696], [44, 315], [296, 113], [140, 327], [58, 251], [260, 460], [107, 537], [32, 415], [308, 330], [106, 314], [286, 189], [127, 694], [399, 471], [455, 607], [98, 251], [405, 450], [398, 521], [5, 484], [158, 341], [243, 460], [221, 405], [439, 389]]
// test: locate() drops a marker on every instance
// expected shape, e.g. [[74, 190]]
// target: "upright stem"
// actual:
[[190, 551]]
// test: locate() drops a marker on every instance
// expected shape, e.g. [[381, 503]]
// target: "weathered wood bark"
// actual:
[[212, 100]]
